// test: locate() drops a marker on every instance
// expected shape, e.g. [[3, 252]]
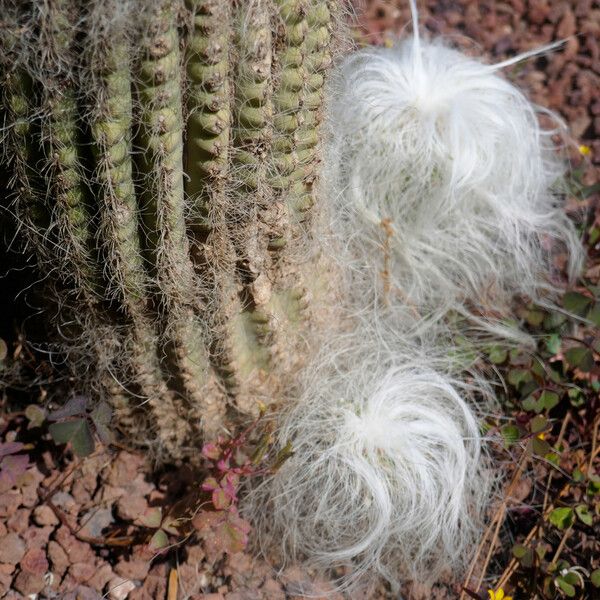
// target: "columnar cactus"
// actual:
[[163, 161]]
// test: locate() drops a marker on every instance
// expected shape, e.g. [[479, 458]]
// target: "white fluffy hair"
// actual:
[[447, 157], [387, 476], [441, 186]]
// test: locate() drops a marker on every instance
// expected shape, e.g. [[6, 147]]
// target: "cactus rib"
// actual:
[[209, 111], [163, 213]]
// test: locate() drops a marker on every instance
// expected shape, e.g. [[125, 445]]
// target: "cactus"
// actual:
[[161, 159]]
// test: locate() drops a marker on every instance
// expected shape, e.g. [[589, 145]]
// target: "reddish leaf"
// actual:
[[101, 417], [206, 520], [7, 448], [220, 499], [221, 532], [210, 484], [235, 532], [211, 451], [207, 524], [229, 485], [76, 406]]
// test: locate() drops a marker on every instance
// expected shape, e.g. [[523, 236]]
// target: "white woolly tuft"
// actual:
[[444, 196], [437, 160], [387, 476]]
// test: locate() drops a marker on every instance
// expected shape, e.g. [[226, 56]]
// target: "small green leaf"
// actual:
[[498, 355], [553, 343], [152, 517], [537, 368], [561, 517], [576, 303], [516, 356], [77, 433], [534, 317], [576, 397], [171, 525], [548, 399], [510, 434], [158, 541], [539, 423], [584, 515], [540, 447], [528, 388], [528, 558], [35, 414], [530, 404], [553, 375], [523, 554], [518, 376], [554, 321], [580, 357], [594, 314], [566, 587], [595, 578], [572, 578]]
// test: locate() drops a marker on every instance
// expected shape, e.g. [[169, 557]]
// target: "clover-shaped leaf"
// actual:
[[76, 432], [581, 358], [561, 517]]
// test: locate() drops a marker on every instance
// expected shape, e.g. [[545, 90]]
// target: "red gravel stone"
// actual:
[[12, 549], [19, 521], [58, 557], [101, 577], [37, 537], [44, 515], [35, 562], [9, 503], [76, 551], [132, 569], [130, 508], [82, 572], [28, 583]]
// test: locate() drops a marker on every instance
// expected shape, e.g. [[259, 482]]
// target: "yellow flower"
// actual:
[[498, 595], [541, 436], [585, 150]]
